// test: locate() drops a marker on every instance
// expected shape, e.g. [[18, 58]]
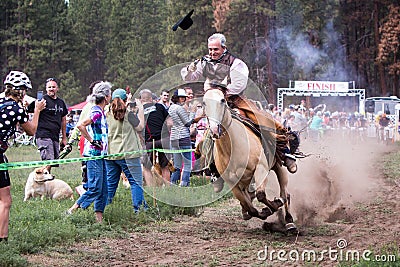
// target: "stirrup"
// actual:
[[300, 155], [287, 155]]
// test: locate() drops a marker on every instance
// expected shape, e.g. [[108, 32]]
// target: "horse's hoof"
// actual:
[[246, 216], [265, 212], [277, 203], [291, 228], [280, 201]]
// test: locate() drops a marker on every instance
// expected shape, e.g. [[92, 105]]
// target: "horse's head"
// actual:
[[215, 108]]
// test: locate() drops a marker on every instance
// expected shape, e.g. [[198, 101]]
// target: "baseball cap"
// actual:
[[180, 92], [120, 93]]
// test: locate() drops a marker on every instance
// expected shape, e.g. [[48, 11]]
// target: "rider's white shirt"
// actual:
[[239, 74]]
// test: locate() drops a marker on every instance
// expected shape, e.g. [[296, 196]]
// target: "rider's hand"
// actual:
[[196, 120], [193, 66]]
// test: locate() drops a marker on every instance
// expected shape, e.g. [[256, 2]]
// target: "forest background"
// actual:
[[127, 42]]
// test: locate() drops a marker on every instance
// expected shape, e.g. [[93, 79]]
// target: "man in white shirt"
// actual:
[[221, 69]]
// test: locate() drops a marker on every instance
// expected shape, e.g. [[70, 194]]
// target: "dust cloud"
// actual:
[[337, 175]]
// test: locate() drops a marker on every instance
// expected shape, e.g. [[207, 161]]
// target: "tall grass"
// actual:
[[37, 225]]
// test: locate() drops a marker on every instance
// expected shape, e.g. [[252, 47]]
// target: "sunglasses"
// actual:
[[51, 80]]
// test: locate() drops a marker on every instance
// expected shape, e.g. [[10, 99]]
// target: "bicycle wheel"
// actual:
[[11, 141], [33, 141], [18, 140]]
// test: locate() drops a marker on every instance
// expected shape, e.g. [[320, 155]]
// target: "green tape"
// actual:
[[34, 164]]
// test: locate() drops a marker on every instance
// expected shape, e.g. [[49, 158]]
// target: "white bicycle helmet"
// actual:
[[18, 79]]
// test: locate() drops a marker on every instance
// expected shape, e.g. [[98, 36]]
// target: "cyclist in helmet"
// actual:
[[12, 113], [384, 121]]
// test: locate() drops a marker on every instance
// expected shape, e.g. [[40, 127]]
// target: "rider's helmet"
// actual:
[[19, 80], [271, 106], [16, 82]]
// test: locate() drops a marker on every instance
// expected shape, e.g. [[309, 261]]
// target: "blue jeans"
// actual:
[[97, 186], [184, 158], [133, 172]]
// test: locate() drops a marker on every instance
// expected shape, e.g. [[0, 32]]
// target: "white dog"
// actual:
[[41, 183]]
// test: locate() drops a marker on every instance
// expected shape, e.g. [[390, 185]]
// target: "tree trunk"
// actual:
[[381, 70]]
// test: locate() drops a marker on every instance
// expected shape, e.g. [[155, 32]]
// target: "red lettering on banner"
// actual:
[[321, 86]]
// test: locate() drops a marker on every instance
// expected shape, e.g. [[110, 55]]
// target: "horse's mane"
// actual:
[[217, 89]]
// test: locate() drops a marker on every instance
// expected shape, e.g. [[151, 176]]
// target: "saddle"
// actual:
[[292, 137], [262, 132]]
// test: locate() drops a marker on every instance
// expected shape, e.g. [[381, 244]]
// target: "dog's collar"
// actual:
[[43, 181]]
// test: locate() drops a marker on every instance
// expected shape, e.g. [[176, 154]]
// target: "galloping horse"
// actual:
[[239, 158]]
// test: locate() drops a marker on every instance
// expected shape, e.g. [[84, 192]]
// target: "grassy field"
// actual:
[[37, 225]]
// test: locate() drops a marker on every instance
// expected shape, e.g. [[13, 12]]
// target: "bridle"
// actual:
[[219, 123]]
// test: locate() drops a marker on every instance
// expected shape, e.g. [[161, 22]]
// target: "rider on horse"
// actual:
[[222, 69]]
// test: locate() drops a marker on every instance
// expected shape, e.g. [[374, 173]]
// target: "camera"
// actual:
[[132, 104]]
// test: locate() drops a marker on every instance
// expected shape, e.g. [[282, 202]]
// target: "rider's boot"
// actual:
[[289, 161], [282, 149]]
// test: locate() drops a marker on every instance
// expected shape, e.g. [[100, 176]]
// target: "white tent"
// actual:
[[27, 98]]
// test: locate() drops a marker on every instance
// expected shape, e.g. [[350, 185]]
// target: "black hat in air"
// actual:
[[184, 23]]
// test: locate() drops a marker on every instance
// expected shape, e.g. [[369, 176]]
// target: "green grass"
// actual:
[[390, 167], [39, 225]]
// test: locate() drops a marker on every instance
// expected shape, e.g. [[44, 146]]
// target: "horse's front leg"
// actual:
[[248, 210], [283, 182], [261, 180]]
